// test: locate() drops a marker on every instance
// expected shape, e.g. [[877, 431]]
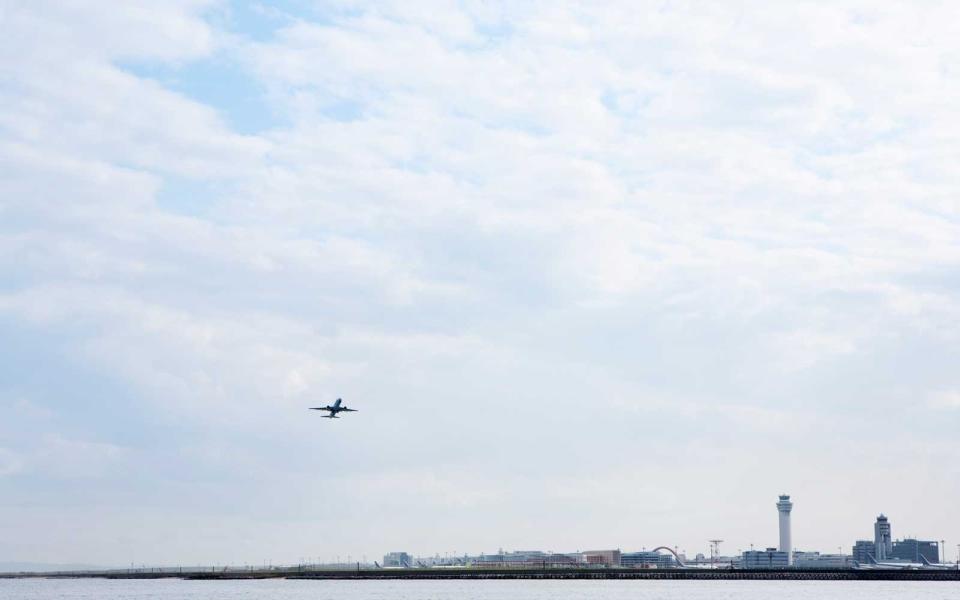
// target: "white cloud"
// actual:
[[71, 458], [507, 231], [946, 400], [10, 462], [173, 31], [31, 410]]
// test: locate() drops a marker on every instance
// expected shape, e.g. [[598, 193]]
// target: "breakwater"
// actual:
[[791, 574]]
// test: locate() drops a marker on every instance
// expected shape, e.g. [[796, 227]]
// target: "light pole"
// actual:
[[714, 552]]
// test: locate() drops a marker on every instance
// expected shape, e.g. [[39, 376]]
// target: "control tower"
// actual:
[[882, 539], [784, 506]]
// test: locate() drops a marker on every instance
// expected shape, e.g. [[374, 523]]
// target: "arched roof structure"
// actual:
[[670, 550]]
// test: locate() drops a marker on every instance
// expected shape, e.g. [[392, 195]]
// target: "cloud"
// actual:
[[10, 462], [526, 240], [62, 457], [945, 400], [175, 31], [32, 410]]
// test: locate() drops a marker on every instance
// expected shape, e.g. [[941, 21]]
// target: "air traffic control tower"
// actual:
[[784, 506]]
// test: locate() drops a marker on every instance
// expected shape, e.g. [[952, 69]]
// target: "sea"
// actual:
[[282, 589]]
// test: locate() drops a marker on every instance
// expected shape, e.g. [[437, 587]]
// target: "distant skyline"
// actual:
[[594, 276]]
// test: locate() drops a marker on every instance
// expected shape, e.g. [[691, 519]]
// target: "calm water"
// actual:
[[49, 589]]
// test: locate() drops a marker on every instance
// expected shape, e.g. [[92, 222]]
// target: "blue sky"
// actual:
[[595, 276]]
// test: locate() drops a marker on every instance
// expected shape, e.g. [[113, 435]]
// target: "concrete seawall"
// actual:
[[792, 574]]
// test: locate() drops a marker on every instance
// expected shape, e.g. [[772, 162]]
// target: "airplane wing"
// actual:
[[321, 408], [344, 409]]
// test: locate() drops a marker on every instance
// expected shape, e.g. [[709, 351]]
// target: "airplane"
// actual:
[[875, 564], [334, 409], [929, 565]]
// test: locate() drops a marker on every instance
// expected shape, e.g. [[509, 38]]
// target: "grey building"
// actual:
[[606, 558], [915, 550], [771, 558], [815, 560], [524, 558], [882, 538], [647, 560], [863, 551], [397, 559]]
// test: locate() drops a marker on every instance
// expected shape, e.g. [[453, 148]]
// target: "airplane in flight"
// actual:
[[334, 409]]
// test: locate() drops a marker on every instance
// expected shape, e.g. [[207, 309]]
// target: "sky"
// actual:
[[596, 275]]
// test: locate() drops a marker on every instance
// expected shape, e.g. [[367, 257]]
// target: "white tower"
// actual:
[[784, 506]]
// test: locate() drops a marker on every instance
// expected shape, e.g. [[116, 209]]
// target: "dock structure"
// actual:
[[791, 574]]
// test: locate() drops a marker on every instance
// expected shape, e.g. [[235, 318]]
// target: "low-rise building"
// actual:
[[815, 560], [771, 558], [915, 550], [397, 559], [647, 560], [525, 558], [518, 558], [864, 551], [558, 560], [605, 558]]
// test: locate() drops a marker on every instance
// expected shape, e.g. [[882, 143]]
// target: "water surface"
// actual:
[[280, 589]]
